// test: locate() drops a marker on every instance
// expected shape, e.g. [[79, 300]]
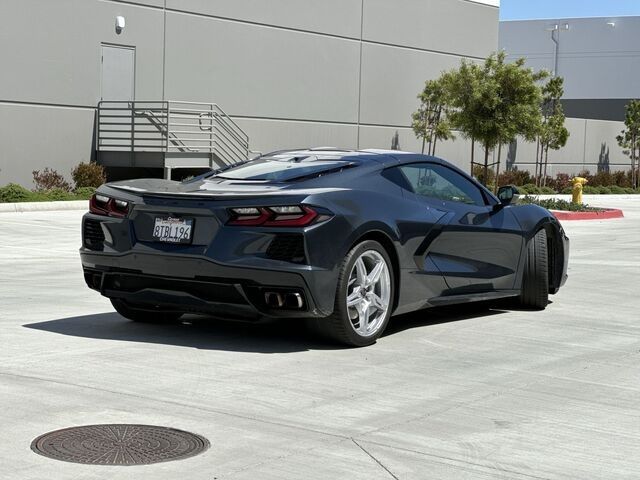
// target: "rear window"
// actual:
[[282, 168]]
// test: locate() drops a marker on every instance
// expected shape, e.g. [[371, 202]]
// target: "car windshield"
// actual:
[[281, 168]]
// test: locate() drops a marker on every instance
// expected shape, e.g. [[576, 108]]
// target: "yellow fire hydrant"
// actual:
[[578, 182]]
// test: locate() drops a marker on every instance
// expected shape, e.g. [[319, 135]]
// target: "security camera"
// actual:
[[119, 24]]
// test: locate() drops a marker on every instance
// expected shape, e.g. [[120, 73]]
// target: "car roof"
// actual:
[[333, 153]]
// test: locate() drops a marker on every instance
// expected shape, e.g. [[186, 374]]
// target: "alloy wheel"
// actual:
[[368, 293]]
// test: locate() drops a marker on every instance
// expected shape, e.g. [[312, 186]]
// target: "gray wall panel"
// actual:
[[589, 140], [569, 159], [602, 76], [601, 145], [453, 26], [526, 38], [269, 135], [268, 72], [64, 140], [337, 17], [51, 50], [596, 59], [391, 80]]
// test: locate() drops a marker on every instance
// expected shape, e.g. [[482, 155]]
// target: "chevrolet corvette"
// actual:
[[344, 239]]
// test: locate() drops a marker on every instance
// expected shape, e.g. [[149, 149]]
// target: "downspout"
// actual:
[[556, 41], [556, 47]]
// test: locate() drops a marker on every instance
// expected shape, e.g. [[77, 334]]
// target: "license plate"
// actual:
[[173, 230]]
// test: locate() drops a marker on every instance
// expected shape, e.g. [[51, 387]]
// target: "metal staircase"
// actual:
[[168, 135]]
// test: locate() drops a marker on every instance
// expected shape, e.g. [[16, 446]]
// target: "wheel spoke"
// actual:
[[377, 302], [355, 298], [363, 317], [361, 272], [374, 276]]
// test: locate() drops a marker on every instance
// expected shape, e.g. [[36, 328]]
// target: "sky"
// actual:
[[531, 9]]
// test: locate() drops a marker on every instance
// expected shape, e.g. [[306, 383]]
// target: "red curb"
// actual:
[[600, 215]]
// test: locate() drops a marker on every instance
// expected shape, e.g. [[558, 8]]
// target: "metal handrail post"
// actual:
[[166, 133], [98, 121], [133, 132], [211, 138]]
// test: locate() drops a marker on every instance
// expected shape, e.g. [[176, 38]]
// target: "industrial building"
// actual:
[[599, 61], [262, 76], [597, 57]]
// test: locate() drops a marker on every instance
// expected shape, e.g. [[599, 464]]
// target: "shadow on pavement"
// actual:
[[438, 315], [281, 336]]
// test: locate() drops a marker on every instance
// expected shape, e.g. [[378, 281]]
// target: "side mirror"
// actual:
[[508, 194]]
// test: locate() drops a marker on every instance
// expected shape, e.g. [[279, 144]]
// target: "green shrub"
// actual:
[[567, 190], [616, 189], [49, 179], [547, 191], [15, 193], [84, 193], [57, 194], [529, 188], [556, 204], [88, 175]]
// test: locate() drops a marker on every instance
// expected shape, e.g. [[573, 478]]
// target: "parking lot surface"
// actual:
[[447, 394]]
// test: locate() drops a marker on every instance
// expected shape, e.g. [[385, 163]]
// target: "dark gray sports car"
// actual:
[[346, 238]]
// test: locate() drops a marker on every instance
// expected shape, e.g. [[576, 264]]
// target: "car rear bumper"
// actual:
[[199, 285]]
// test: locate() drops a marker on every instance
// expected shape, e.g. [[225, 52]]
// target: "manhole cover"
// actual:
[[119, 444]]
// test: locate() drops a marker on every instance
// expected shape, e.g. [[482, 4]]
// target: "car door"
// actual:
[[475, 246]]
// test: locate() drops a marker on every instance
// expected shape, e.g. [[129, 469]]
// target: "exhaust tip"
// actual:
[[293, 300], [284, 300], [274, 299]]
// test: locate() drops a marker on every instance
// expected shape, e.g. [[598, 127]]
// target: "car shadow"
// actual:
[[439, 315], [280, 336]]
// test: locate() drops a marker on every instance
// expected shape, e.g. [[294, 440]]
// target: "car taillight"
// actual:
[[104, 205], [279, 216]]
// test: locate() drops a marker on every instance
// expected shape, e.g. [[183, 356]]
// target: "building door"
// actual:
[[118, 73]]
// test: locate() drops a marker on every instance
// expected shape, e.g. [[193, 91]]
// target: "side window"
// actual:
[[436, 181]]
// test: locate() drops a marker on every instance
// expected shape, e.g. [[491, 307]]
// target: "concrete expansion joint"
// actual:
[[382, 465]]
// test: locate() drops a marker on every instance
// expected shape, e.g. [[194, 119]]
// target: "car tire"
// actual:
[[345, 325], [535, 277], [142, 315]]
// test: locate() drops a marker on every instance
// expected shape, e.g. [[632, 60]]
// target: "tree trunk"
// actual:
[[473, 148], [535, 175], [433, 132], [633, 164], [486, 165], [495, 187], [634, 175], [424, 141], [546, 162], [541, 164]]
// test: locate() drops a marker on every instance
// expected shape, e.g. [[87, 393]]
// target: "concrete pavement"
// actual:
[[447, 394]]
